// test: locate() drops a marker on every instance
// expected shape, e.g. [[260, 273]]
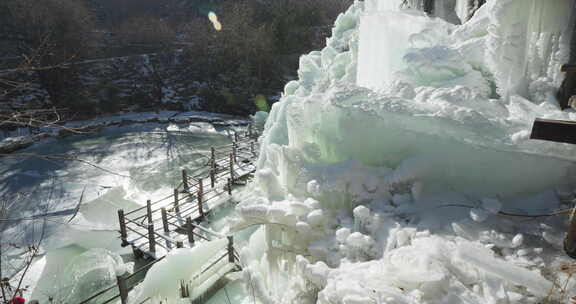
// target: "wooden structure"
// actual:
[[175, 220], [154, 229], [554, 130], [565, 132], [567, 89]]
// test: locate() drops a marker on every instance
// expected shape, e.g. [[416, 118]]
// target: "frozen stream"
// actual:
[[79, 255]]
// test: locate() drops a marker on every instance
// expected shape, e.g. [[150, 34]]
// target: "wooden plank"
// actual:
[[568, 68], [570, 238], [123, 232], [185, 180], [176, 206], [554, 130], [123, 289], [151, 238]]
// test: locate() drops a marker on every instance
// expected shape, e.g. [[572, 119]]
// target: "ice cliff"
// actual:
[[384, 166]]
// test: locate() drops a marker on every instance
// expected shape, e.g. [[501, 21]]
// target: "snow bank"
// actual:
[[163, 280], [394, 152]]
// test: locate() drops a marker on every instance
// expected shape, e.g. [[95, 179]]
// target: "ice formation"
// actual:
[[68, 279], [183, 265], [384, 168]]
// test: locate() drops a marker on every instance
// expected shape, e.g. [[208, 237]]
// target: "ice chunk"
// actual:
[[356, 299], [518, 240], [259, 118], [478, 214], [356, 239], [342, 234], [318, 273], [313, 188], [303, 228], [484, 260], [95, 269], [361, 212], [312, 203], [316, 217], [163, 278]]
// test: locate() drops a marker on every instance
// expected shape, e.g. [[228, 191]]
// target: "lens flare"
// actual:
[[261, 103], [214, 19]]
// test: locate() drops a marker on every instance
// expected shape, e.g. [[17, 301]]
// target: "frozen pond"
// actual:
[[120, 167]]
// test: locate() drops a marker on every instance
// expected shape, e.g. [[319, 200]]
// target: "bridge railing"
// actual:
[[152, 224], [226, 165], [124, 283]]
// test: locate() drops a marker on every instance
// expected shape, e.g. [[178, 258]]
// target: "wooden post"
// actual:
[[232, 167], [554, 130], [190, 231], [122, 288], [231, 258], [179, 244], [176, 206], [234, 154], [570, 239], [165, 220], [252, 150], [200, 198], [184, 290], [568, 68], [212, 178], [1, 281], [229, 187], [149, 210], [123, 231], [166, 227], [151, 238], [212, 157], [137, 252], [185, 180]]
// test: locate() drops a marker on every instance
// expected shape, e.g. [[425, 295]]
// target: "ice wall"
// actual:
[[528, 42], [385, 38], [523, 45], [398, 116]]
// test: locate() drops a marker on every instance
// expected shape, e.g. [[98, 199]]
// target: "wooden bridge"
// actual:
[[175, 220]]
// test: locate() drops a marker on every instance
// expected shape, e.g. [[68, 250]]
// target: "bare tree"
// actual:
[[11, 282], [49, 34]]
